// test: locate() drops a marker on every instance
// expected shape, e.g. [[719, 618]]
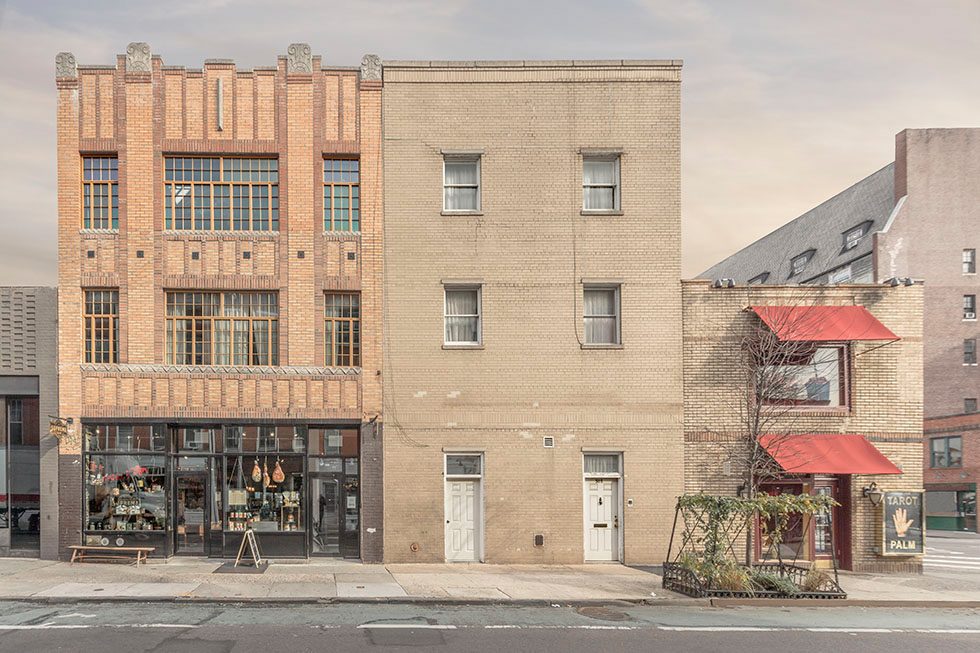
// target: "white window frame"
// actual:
[[840, 275], [463, 158], [620, 478], [851, 243], [805, 258], [616, 186], [446, 289], [616, 288], [971, 350], [468, 454], [969, 258], [970, 316]]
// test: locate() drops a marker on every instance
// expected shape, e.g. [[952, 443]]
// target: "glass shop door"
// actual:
[[192, 518]]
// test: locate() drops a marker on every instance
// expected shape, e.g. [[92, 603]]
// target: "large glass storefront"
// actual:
[[195, 490]]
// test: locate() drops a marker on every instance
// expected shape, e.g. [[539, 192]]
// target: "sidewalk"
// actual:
[[194, 579]]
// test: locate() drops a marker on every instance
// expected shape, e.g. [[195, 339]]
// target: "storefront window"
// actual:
[[334, 442], [264, 492], [272, 439], [4, 518], [125, 438], [125, 492]]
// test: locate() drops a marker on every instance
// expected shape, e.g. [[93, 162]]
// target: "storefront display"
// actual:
[[196, 490]]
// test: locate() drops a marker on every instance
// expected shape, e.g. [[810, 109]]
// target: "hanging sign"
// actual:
[[902, 527]]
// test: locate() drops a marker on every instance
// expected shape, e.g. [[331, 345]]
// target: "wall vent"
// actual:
[[549, 442]]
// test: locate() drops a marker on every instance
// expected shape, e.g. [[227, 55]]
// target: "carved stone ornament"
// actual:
[[138, 58], [371, 68], [65, 65], [299, 58]]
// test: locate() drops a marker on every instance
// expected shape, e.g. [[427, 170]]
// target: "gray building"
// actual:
[[917, 217], [28, 396]]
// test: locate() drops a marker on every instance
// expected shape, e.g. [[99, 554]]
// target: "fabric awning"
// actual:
[[823, 323], [827, 453]]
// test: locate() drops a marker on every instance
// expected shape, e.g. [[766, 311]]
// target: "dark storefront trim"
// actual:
[[190, 488]]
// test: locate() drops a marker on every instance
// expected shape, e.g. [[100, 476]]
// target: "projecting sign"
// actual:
[[902, 527]]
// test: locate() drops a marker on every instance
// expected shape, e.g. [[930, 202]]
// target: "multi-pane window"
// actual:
[[601, 314], [461, 183], [342, 329], [101, 320], [100, 192], [970, 351], [807, 375], [341, 195], [946, 452], [798, 263], [15, 421], [970, 405], [221, 194], [969, 261], [229, 328], [969, 307], [853, 236], [600, 183], [462, 316]]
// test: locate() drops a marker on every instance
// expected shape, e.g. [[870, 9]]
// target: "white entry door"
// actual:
[[462, 520], [602, 519]]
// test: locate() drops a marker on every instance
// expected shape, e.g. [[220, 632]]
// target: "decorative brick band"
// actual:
[[212, 371]]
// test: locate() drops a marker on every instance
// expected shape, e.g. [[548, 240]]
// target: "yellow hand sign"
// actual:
[[901, 521]]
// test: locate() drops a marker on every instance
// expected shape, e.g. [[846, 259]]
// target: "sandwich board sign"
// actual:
[[249, 546], [902, 528]]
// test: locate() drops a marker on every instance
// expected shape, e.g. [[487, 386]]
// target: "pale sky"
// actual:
[[785, 103]]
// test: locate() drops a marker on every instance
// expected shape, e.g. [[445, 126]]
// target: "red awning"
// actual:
[[823, 323], [827, 453]]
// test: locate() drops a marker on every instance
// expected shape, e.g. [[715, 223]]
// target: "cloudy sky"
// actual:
[[785, 102]]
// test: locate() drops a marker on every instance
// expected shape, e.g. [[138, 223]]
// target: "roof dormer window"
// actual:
[[798, 263], [853, 236], [759, 279]]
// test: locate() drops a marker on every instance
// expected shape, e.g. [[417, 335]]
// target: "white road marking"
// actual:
[[54, 626], [723, 629], [851, 630], [950, 631], [411, 626], [74, 614]]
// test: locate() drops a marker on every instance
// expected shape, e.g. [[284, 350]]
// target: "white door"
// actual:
[[601, 519], [462, 521]]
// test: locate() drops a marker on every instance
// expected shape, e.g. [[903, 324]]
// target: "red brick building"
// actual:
[[951, 463]]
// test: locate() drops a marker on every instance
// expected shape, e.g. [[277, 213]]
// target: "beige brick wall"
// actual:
[[530, 248], [885, 393]]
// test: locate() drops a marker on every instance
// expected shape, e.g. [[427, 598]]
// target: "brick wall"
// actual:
[[531, 249], [298, 111], [885, 393]]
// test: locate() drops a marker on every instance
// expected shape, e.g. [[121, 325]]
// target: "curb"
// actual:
[[540, 603], [840, 603]]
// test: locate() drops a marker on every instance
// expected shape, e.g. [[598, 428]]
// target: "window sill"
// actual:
[[969, 319], [587, 345], [477, 213], [463, 346], [816, 411], [601, 212], [969, 364], [96, 232]]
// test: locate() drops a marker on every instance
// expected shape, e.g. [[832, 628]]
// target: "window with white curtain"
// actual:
[[601, 312], [462, 315], [600, 183], [605, 463], [461, 183]]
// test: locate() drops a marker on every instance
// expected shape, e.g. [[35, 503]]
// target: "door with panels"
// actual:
[[602, 527], [464, 507]]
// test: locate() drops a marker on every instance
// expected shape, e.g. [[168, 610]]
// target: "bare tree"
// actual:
[[776, 370]]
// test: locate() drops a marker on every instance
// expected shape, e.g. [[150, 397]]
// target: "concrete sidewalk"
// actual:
[[194, 579]]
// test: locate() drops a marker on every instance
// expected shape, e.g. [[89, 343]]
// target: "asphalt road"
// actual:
[[948, 553], [289, 628]]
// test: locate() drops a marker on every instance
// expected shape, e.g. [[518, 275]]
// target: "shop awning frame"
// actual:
[[824, 323], [827, 453]]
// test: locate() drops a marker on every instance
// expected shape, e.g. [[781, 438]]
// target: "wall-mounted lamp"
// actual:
[[874, 494]]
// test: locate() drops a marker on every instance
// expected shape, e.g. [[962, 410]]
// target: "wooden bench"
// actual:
[[80, 553]]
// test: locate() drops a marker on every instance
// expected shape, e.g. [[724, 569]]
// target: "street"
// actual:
[[957, 553], [164, 627]]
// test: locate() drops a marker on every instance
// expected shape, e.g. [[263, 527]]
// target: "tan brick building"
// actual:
[[220, 293], [874, 395], [532, 343]]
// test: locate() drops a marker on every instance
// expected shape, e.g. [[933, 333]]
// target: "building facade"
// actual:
[[856, 411], [532, 379], [28, 395], [220, 302], [951, 459], [918, 218]]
